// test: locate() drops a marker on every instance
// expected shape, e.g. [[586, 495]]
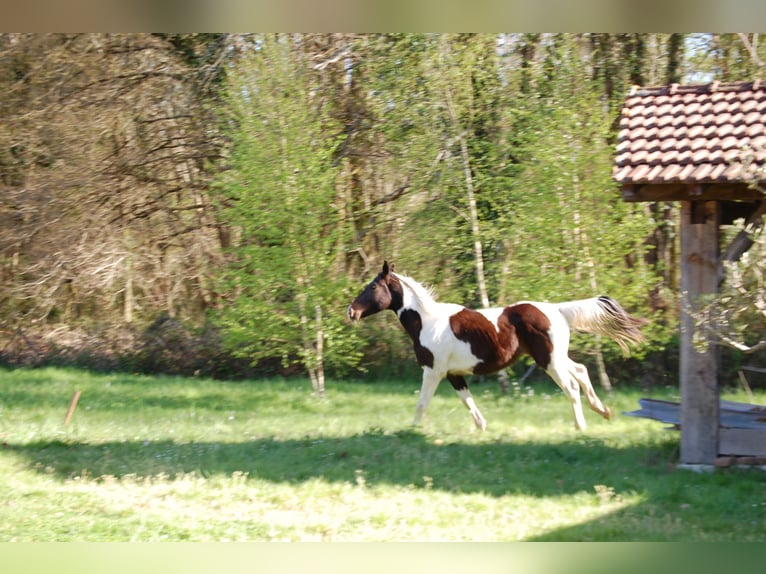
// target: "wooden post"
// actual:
[[72, 406], [700, 254]]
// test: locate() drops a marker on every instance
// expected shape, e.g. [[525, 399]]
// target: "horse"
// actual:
[[453, 341]]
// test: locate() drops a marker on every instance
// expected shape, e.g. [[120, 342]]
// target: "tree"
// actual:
[[105, 151], [569, 234], [280, 195], [479, 163], [736, 317], [439, 117]]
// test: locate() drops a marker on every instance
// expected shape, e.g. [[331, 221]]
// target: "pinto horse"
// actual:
[[453, 341]]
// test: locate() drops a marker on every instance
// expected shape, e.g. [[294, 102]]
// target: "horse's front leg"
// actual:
[[431, 380], [461, 387]]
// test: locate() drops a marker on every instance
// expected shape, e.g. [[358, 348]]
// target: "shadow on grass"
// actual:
[[676, 504], [404, 458]]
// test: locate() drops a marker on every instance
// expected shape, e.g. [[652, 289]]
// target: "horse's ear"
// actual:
[[386, 269]]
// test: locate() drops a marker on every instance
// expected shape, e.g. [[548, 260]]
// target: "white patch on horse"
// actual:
[[492, 314], [467, 398]]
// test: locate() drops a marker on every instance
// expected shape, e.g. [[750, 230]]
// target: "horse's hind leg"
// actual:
[[580, 374], [461, 387], [562, 377], [431, 380]]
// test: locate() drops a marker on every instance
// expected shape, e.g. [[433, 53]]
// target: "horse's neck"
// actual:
[[410, 302], [413, 300], [418, 298]]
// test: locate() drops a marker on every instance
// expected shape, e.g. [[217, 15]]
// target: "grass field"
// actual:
[[153, 459]]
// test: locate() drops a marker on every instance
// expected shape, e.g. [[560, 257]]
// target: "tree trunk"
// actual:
[[128, 299], [478, 251], [319, 383], [473, 211], [129, 290], [675, 55]]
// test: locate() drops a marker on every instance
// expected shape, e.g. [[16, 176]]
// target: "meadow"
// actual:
[[191, 459]]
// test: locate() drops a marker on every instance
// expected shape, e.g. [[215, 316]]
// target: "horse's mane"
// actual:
[[424, 295]]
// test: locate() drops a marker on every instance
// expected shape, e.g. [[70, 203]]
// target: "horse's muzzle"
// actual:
[[354, 314]]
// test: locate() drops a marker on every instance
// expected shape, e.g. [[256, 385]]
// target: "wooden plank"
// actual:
[[742, 442], [659, 410], [731, 415], [753, 369], [700, 254], [743, 407]]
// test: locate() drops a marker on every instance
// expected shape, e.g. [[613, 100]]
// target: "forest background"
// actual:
[[210, 203]]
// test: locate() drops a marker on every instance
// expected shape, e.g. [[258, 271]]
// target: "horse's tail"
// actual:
[[603, 316]]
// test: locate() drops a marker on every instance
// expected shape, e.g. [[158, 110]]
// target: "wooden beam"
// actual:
[[652, 192], [683, 192], [742, 442], [698, 355]]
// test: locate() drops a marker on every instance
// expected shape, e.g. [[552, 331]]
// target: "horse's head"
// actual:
[[383, 292]]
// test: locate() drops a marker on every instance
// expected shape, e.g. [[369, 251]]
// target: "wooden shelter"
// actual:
[[703, 146]]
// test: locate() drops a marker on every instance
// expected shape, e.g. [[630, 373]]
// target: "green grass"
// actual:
[[154, 458]]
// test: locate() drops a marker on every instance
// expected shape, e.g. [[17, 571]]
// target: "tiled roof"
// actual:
[[712, 133]]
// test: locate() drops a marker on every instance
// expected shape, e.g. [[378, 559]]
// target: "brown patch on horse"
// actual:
[[494, 348], [413, 324], [521, 329], [532, 328]]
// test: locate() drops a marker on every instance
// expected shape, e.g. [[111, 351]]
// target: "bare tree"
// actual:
[[105, 151]]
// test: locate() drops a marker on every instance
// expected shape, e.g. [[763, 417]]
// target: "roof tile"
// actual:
[[692, 133], [717, 172], [733, 172], [749, 106], [686, 172], [710, 131], [670, 158], [720, 106], [621, 173], [723, 119], [740, 131], [730, 142], [699, 157], [641, 172], [655, 172], [703, 171], [699, 143], [664, 120], [754, 129], [684, 144], [696, 132], [671, 173]]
